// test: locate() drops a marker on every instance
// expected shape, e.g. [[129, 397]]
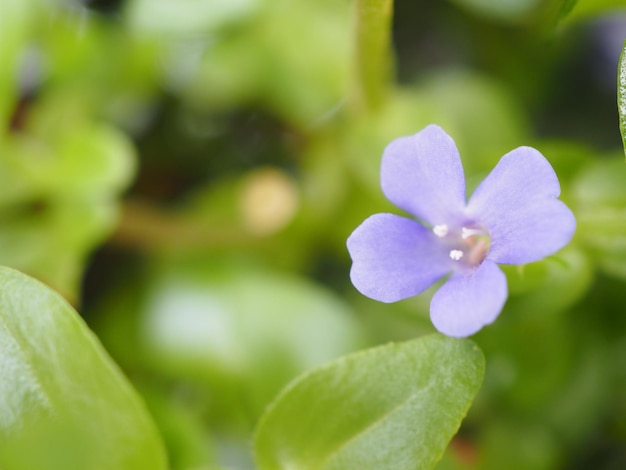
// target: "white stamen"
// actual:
[[469, 232], [440, 230], [456, 254]]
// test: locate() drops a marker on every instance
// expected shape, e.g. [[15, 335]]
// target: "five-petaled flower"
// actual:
[[513, 217]]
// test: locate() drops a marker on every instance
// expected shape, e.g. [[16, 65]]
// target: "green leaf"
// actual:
[[621, 95], [64, 403], [374, 64], [396, 406]]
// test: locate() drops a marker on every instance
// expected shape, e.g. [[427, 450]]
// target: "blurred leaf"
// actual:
[[73, 55], [479, 114], [15, 21], [189, 445], [293, 59], [395, 406], [373, 50], [551, 285], [87, 159], [186, 17], [460, 455], [568, 6], [363, 142], [502, 10], [482, 115], [540, 15], [621, 95], [51, 241], [64, 403], [15, 188], [523, 278], [254, 329], [599, 198], [585, 396], [567, 158], [62, 199], [525, 378], [581, 10], [517, 445], [239, 330], [539, 307]]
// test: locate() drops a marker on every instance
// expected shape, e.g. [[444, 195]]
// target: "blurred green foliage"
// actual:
[[186, 174]]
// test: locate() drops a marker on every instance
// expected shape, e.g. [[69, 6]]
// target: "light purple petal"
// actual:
[[394, 258], [517, 203], [469, 300], [422, 174]]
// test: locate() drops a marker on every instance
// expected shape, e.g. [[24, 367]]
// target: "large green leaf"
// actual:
[[63, 403], [392, 407]]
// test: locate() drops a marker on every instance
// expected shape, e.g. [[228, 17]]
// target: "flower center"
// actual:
[[468, 245]]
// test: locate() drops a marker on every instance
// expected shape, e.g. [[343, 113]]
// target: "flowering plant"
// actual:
[[513, 217], [178, 180]]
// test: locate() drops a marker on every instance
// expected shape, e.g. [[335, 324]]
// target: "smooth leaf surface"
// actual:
[[392, 407], [60, 393]]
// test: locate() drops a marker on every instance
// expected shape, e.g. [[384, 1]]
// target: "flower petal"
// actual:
[[395, 258], [423, 175], [469, 300], [517, 203]]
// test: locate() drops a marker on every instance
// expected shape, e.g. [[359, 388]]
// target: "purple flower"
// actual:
[[513, 217]]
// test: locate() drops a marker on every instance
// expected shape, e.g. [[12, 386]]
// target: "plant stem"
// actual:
[[373, 51]]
